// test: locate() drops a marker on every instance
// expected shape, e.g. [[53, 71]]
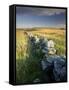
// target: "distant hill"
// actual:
[[35, 28]]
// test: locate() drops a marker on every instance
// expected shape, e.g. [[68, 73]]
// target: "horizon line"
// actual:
[[41, 27]]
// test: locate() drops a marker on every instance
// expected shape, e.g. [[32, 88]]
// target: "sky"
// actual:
[[28, 17]]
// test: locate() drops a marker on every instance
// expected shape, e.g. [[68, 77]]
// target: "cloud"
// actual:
[[49, 12], [39, 11], [62, 25]]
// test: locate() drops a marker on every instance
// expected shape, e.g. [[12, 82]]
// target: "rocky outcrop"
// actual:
[[53, 66]]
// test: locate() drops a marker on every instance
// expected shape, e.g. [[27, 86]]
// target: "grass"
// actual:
[[57, 35], [27, 64]]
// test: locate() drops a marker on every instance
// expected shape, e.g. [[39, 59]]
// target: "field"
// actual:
[[27, 65]]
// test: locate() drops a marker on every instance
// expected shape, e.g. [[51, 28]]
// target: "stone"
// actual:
[[59, 69], [45, 50], [36, 39], [51, 44], [46, 64], [54, 68], [43, 42], [51, 47], [51, 51]]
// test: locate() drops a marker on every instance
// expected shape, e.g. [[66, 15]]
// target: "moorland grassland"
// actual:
[[27, 67]]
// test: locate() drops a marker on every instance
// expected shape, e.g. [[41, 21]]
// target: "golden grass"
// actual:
[[27, 64], [57, 35]]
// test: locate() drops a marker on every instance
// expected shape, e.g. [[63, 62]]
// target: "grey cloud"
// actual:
[[39, 11]]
